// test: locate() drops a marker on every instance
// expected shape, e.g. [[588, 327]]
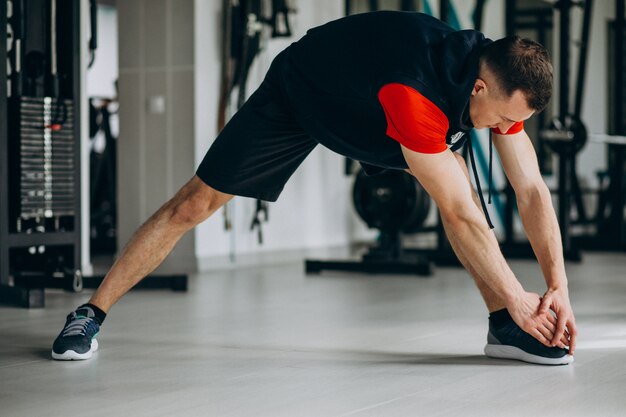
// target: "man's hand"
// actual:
[[557, 300], [540, 324]]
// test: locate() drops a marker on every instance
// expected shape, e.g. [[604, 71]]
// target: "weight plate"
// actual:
[[390, 201], [572, 134]]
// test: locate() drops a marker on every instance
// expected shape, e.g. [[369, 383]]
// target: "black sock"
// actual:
[[100, 315], [500, 317]]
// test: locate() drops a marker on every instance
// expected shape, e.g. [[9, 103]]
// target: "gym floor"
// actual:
[[271, 341]]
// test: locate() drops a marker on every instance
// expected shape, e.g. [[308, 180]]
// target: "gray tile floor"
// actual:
[[272, 342]]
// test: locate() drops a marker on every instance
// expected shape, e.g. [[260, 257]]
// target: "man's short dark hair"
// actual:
[[521, 64]]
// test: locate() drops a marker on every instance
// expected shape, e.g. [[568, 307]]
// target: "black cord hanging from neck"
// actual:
[[480, 191], [490, 164]]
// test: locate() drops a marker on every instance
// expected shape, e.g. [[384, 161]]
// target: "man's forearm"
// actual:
[[542, 228], [480, 247]]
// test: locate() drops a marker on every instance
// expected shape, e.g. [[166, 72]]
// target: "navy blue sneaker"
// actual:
[[509, 341], [77, 340]]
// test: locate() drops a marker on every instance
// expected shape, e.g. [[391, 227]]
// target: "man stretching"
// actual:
[[393, 90]]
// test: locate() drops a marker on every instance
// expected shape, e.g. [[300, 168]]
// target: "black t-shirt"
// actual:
[[333, 74]]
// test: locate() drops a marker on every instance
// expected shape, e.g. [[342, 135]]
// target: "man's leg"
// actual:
[[253, 156], [156, 238], [145, 251]]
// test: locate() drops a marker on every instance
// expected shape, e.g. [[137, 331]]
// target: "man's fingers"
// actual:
[[551, 322], [548, 330], [548, 333], [560, 336], [560, 330], [539, 336], [565, 337], [563, 341], [545, 304], [572, 339], [545, 333], [551, 318]]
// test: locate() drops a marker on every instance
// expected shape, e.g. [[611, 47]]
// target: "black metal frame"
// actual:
[[28, 290], [540, 21], [610, 233], [566, 163], [4, 158], [611, 230], [617, 153]]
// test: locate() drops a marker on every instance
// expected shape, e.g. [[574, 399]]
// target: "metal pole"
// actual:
[[478, 14], [4, 159], [564, 7], [407, 5], [618, 105], [616, 152], [74, 8], [509, 210], [443, 10], [582, 57], [565, 161], [509, 17], [541, 117]]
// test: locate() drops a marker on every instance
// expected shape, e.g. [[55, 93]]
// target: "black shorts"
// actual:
[[260, 147]]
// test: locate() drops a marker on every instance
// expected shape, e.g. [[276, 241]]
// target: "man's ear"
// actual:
[[479, 85]]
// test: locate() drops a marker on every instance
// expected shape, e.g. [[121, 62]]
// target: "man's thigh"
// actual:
[[258, 150]]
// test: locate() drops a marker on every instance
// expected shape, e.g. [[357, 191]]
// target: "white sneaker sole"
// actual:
[[511, 352], [70, 355]]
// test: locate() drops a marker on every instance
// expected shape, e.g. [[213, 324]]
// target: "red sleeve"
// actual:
[[516, 128], [413, 120]]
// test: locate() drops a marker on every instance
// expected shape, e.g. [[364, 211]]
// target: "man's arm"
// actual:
[[445, 182], [539, 219]]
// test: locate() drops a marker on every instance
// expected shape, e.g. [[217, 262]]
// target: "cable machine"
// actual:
[[567, 135], [40, 228]]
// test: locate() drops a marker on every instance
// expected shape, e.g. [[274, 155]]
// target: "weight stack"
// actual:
[[40, 228], [42, 155]]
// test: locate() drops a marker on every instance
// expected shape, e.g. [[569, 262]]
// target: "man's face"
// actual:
[[489, 108]]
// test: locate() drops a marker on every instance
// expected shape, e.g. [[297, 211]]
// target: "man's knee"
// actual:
[[196, 201]]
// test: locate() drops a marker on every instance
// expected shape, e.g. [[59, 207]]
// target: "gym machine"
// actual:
[[610, 218], [394, 203], [567, 135], [39, 150]]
